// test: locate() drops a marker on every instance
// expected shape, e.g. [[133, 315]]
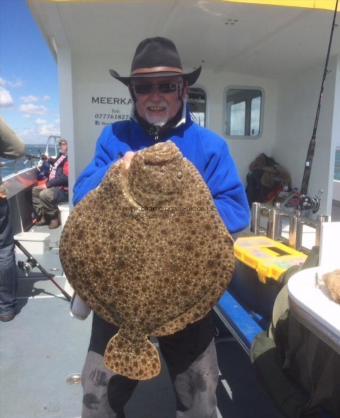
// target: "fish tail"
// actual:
[[137, 360]]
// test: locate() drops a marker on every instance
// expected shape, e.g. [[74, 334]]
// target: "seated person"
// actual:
[[46, 198], [43, 168]]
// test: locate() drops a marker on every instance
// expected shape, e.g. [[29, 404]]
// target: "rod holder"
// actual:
[[295, 229], [255, 218], [321, 219], [274, 223]]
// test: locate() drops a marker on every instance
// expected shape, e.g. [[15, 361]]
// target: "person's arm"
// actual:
[[61, 179], [227, 190], [10, 145], [66, 168]]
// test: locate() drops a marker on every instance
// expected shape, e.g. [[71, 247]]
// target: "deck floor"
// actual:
[[43, 346]]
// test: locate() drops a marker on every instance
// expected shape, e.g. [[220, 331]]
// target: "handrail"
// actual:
[[273, 225], [23, 161], [55, 139]]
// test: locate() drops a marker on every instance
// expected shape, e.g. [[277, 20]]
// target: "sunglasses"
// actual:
[[148, 88]]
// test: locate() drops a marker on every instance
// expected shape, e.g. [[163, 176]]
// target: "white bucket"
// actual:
[[36, 243], [64, 209]]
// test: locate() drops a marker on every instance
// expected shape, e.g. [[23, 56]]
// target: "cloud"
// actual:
[[40, 131], [14, 84], [39, 121], [27, 135], [29, 99], [5, 98], [45, 128], [48, 129], [33, 109], [34, 99]]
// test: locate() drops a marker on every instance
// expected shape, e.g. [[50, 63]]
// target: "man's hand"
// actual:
[[2, 193], [126, 160]]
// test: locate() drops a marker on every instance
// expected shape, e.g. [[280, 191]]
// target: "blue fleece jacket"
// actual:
[[206, 150]]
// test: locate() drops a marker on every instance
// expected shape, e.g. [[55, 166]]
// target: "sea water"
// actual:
[[33, 153]]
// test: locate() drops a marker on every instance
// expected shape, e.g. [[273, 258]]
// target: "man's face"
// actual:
[[63, 148], [158, 99]]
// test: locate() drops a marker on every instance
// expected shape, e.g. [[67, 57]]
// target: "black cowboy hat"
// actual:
[[157, 57]]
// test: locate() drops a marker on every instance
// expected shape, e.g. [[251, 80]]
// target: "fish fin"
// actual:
[[137, 360]]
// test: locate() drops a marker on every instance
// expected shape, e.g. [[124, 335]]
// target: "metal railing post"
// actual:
[[255, 218]]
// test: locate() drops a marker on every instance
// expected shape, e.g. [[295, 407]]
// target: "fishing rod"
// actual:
[[311, 147], [32, 263], [31, 157]]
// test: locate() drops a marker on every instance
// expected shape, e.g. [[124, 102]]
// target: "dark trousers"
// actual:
[[45, 201], [193, 373], [8, 279]]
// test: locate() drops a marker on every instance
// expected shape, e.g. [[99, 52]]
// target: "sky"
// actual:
[[29, 100]]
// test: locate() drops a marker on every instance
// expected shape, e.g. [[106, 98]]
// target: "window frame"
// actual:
[[198, 86], [225, 110]]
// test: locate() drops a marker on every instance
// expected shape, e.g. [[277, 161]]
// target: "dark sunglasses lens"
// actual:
[[167, 87], [148, 88], [143, 88]]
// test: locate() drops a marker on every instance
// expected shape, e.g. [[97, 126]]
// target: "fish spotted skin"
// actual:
[[148, 252]]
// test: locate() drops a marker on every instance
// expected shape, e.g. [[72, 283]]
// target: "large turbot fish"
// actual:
[[148, 252]]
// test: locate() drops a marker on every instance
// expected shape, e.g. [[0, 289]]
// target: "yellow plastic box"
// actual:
[[268, 257]]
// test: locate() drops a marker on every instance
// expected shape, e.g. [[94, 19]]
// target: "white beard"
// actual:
[[158, 119]]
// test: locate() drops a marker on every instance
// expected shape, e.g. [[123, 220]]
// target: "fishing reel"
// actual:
[[310, 203], [27, 266], [303, 202]]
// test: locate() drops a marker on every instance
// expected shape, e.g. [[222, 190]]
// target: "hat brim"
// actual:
[[191, 78]]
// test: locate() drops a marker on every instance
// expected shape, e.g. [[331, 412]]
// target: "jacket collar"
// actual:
[[181, 121]]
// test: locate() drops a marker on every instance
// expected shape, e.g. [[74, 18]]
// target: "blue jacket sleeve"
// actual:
[[94, 173], [227, 190]]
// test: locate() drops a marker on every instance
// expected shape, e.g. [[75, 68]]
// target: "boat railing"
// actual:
[[288, 226], [10, 168], [18, 177], [52, 144]]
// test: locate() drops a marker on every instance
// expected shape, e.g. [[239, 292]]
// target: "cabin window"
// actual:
[[197, 105], [244, 112]]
